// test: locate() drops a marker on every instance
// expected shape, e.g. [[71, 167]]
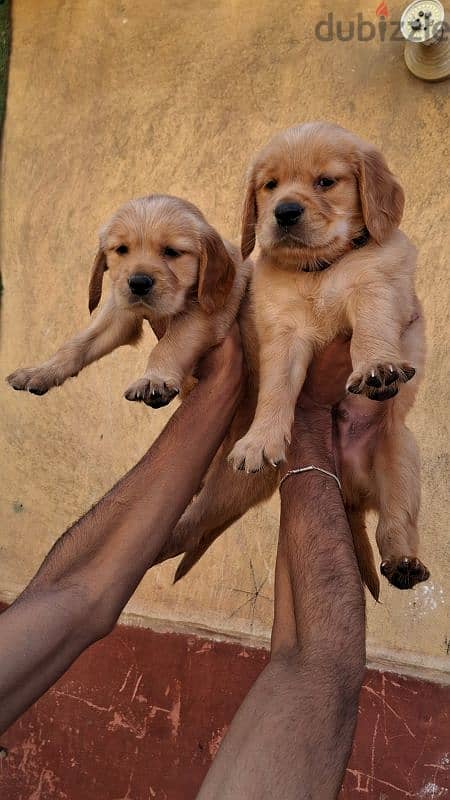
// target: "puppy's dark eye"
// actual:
[[325, 182], [272, 184], [122, 249], [169, 252]]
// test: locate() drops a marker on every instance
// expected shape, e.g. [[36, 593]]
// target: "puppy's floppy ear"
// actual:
[[249, 216], [216, 272], [382, 197], [96, 280]]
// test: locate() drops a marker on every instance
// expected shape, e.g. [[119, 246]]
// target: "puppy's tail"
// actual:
[[364, 553], [191, 557]]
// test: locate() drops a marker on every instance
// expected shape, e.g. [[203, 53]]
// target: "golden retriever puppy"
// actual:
[[166, 263], [325, 210]]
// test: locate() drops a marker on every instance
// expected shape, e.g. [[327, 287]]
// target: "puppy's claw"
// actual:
[[408, 372], [391, 377], [255, 470], [354, 388]]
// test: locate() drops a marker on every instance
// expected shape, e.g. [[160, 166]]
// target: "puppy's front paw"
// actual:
[[404, 572], [252, 453], [37, 380], [153, 391], [380, 381]]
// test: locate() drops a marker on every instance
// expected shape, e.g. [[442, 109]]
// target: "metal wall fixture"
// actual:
[[426, 28]]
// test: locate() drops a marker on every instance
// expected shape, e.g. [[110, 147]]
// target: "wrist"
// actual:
[[312, 440], [226, 381], [216, 394]]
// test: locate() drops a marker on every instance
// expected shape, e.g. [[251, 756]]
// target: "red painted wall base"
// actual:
[[141, 715]]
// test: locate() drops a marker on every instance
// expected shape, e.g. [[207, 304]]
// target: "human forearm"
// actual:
[[122, 534], [315, 538], [292, 736], [95, 566], [41, 634], [319, 631]]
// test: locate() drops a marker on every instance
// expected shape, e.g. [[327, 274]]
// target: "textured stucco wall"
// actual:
[[109, 100]]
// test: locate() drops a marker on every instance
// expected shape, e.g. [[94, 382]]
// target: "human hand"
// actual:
[[357, 418], [325, 382], [323, 395], [223, 364]]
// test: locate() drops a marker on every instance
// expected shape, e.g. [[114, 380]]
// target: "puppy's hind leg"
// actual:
[[191, 557], [225, 496], [397, 474]]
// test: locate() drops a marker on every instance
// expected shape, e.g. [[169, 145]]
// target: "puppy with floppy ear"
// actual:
[[325, 209], [168, 266], [221, 279]]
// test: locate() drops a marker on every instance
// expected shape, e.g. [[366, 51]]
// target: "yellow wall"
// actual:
[[109, 100]]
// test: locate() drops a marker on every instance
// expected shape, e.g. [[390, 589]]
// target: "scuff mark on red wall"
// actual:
[[141, 715]]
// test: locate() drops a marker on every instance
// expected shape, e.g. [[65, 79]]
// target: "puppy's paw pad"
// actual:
[[34, 380], [380, 381], [404, 572], [153, 393]]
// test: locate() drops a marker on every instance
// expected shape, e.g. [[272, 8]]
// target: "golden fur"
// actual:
[[309, 285], [288, 315], [198, 285]]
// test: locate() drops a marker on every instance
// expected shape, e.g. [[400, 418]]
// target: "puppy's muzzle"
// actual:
[[140, 285], [287, 214]]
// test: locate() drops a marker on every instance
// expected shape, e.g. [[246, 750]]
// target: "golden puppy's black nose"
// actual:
[[287, 214], [140, 284]]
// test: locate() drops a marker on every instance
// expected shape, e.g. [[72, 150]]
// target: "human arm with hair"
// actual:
[[292, 736], [94, 568]]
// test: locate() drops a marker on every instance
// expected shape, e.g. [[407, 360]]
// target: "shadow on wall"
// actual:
[[5, 30]]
